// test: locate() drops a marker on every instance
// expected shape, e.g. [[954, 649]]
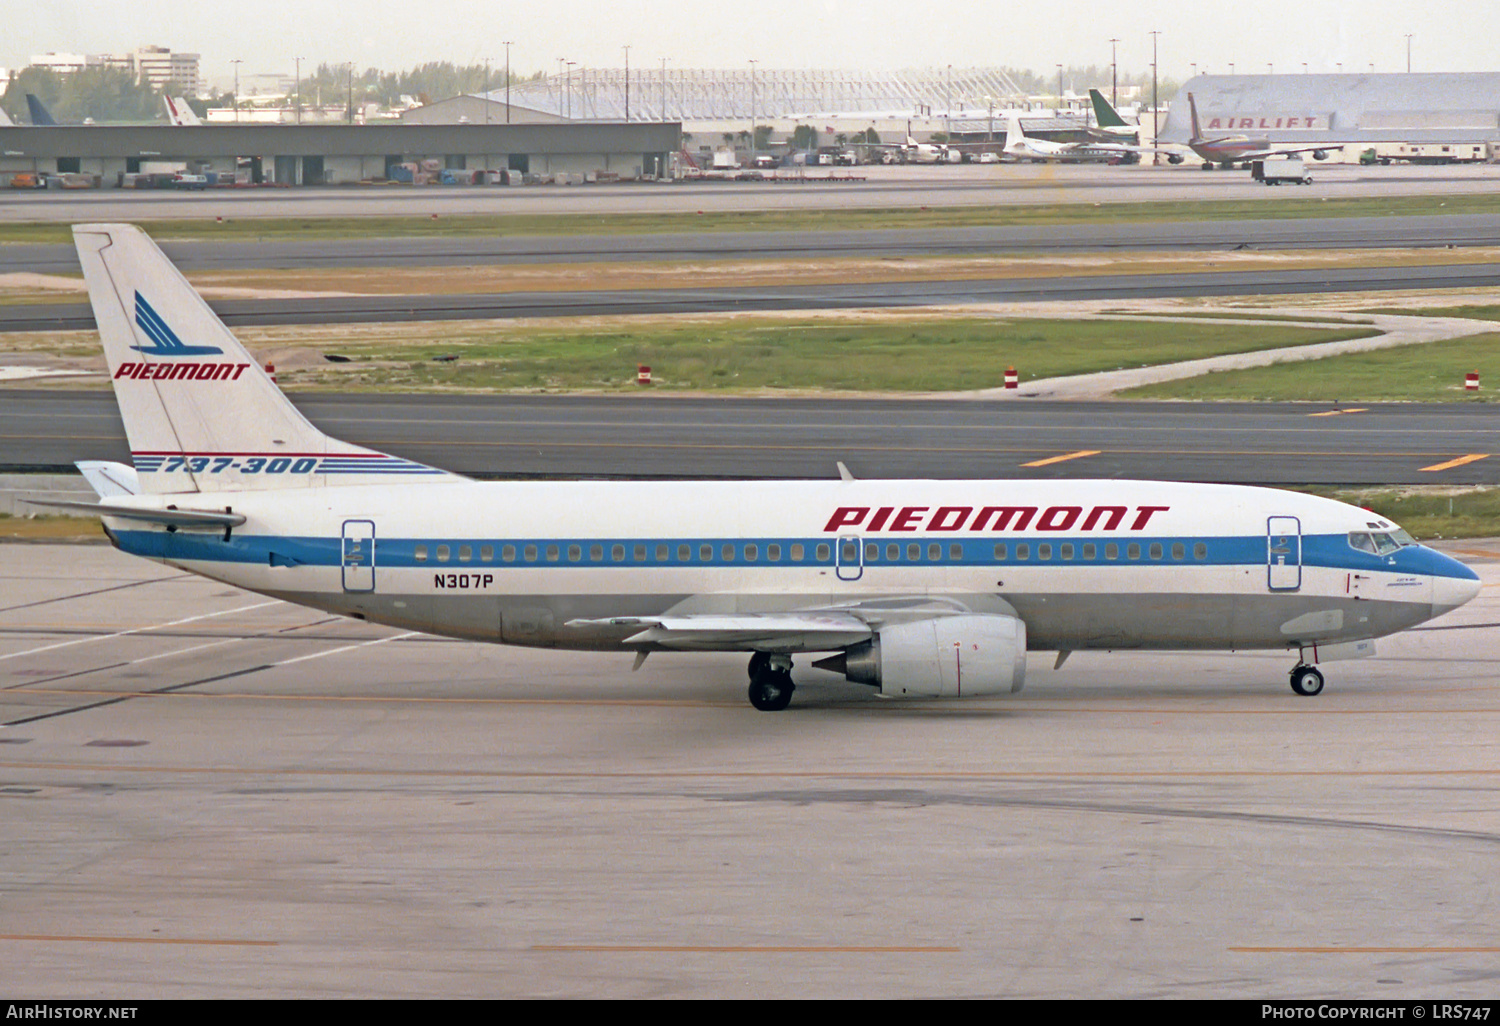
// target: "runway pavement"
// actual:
[[211, 794], [641, 436], [1459, 230], [865, 187], [889, 295]]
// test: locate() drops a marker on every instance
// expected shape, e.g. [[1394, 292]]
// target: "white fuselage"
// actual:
[[1086, 564]]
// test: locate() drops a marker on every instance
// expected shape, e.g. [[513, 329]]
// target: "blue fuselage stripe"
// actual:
[[1327, 551]]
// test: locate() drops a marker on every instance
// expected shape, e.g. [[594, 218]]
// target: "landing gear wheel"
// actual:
[[771, 690], [1306, 680], [760, 662]]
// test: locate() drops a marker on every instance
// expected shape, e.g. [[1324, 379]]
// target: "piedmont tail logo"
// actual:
[[168, 344]]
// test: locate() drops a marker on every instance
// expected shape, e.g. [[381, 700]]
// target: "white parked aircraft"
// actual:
[[930, 588], [925, 153], [1019, 146]]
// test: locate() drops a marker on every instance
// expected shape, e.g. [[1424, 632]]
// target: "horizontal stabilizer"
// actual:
[[171, 517], [109, 479]]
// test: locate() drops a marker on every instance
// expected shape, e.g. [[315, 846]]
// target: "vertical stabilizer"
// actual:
[[37, 112], [199, 412], [1104, 112], [1015, 136], [1193, 114]]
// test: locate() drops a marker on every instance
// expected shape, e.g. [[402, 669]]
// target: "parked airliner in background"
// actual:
[[1019, 146], [925, 153], [1226, 151], [916, 588]]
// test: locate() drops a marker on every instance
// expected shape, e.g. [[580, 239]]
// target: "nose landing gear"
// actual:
[[1306, 680], [771, 684]]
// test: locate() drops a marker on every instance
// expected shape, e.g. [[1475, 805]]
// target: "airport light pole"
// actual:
[[1269, 69], [486, 92], [752, 113], [349, 108], [1155, 106], [1059, 89], [1408, 52], [298, 62], [1114, 72], [507, 45], [664, 88], [236, 62], [570, 88], [627, 82]]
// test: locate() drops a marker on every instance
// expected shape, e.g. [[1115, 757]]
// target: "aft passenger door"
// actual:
[[1283, 553], [358, 555]]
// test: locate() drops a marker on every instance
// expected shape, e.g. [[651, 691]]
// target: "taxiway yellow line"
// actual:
[[1338, 949], [67, 938], [1062, 459], [1340, 413], [1473, 457], [753, 949]]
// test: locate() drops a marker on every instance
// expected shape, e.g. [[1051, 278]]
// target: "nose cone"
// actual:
[[1453, 584]]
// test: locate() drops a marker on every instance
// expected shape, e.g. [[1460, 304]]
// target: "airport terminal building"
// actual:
[[338, 154]]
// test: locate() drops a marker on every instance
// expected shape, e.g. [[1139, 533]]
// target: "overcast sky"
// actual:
[[1448, 35]]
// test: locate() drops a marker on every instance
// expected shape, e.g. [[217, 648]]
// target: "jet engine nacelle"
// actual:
[[1175, 158], [1320, 154], [944, 657]]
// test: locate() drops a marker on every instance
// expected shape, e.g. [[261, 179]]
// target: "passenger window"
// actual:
[[596, 553], [773, 553], [955, 551], [531, 553], [1133, 551], [1156, 550], [552, 553], [1000, 552], [893, 553], [934, 552], [465, 553], [914, 552], [1044, 551], [617, 553], [1200, 550], [442, 553], [1066, 550], [796, 553], [728, 553], [1023, 551], [662, 552], [486, 553], [1178, 550], [1089, 550], [684, 553], [751, 553], [640, 553], [575, 553], [706, 553], [848, 552], [508, 553], [821, 552], [1111, 550], [420, 553], [872, 552]]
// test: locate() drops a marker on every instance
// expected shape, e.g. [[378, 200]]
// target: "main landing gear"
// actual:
[[1306, 680], [771, 684]]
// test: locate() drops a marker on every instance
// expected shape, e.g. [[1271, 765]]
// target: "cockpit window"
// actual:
[[1379, 542]]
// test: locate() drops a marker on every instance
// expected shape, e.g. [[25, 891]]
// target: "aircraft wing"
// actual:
[[741, 632]]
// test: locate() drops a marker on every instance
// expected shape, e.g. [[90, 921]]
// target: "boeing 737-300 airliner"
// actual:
[[913, 587]]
